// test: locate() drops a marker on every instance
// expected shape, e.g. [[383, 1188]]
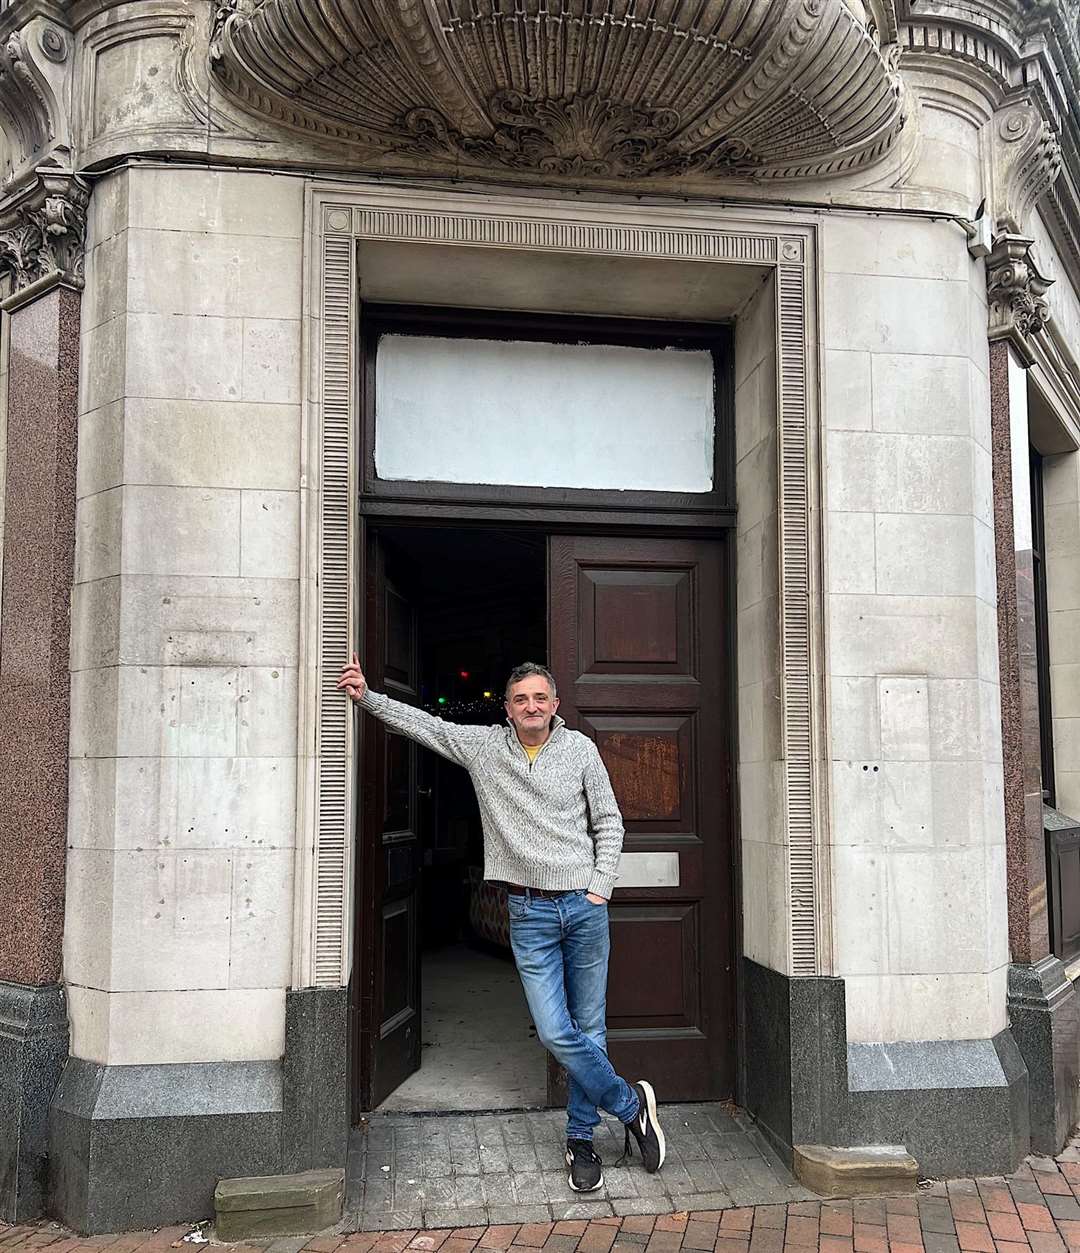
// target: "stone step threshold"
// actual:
[[867, 1170], [284, 1205]]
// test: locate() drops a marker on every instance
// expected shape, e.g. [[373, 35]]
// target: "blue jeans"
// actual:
[[561, 946]]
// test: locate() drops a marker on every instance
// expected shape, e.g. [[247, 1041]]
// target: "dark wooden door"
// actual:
[[391, 814], [639, 647]]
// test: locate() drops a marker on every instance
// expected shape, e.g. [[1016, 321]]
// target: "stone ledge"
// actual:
[[870, 1169], [278, 1205]]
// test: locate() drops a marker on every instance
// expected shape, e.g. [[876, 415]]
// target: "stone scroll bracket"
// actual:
[[36, 117], [338, 220]]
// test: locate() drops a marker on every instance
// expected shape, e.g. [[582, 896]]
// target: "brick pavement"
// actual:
[[1036, 1210]]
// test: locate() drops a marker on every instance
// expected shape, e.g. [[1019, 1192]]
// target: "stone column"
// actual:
[[1042, 1005], [42, 250]]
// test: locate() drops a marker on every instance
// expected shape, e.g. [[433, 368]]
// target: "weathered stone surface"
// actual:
[[278, 1204], [860, 1171]]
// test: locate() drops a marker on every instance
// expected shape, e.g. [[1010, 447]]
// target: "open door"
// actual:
[[391, 815], [638, 646]]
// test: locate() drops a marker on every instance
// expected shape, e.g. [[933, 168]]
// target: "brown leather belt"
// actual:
[[515, 889]]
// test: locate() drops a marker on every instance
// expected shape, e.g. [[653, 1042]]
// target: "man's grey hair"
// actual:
[[526, 669]]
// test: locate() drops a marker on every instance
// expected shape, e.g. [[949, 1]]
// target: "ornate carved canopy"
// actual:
[[642, 91]]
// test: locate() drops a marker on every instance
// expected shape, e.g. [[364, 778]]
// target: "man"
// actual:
[[552, 835]]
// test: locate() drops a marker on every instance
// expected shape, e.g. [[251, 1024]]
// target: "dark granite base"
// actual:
[[33, 1049], [316, 1079], [1044, 1011], [958, 1106], [135, 1147], [795, 1067]]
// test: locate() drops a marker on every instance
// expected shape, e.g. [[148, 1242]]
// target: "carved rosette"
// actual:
[[43, 231], [1017, 294], [621, 92]]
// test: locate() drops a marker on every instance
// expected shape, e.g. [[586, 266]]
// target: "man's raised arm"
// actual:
[[457, 743]]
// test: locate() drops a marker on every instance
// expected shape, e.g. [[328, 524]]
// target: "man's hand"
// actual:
[[596, 900], [352, 679]]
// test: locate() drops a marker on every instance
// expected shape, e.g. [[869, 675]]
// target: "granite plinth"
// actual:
[[1044, 1012], [315, 1076], [136, 1147], [795, 1037], [33, 1049], [958, 1106]]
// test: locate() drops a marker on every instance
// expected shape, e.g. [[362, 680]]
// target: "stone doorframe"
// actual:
[[339, 216]]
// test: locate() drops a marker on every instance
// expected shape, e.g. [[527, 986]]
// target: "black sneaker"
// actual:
[[585, 1172], [645, 1128]]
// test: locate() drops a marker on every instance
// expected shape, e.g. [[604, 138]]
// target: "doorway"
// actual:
[[635, 629], [466, 606]]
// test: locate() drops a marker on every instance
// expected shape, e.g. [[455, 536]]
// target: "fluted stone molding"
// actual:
[[43, 230], [35, 97], [1016, 294], [625, 93]]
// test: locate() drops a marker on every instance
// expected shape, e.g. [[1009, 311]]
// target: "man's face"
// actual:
[[530, 705]]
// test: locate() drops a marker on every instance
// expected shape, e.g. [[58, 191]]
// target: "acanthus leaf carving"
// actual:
[[43, 230], [223, 11], [584, 136], [1016, 293]]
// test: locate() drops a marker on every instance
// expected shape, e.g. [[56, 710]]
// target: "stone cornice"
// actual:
[[614, 94], [1023, 56], [43, 230], [18, 13], [1016, 294]]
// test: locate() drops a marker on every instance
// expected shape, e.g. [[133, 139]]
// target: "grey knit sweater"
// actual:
[[550, 823]]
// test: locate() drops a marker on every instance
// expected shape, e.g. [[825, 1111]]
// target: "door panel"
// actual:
[[648, 760], [634, 621], [638, 649], [389, 895]]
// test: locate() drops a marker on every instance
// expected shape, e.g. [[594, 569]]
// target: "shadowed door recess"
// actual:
[[389, 1001], [636, 630], [636, 640]]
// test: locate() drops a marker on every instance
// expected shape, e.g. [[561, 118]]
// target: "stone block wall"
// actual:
[[1061, 503], [1061, 488], [765, 907], [917, 826], [185, 616]]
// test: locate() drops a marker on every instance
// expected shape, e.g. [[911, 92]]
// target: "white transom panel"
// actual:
[[543, 415]]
